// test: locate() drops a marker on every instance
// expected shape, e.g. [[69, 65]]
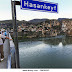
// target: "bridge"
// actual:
[[9, 54]]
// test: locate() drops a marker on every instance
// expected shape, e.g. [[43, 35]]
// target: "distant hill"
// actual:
[[35, 21], [60, 19], [10, 22]]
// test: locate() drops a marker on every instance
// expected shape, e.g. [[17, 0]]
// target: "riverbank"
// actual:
[[20, 38], [35, 34]]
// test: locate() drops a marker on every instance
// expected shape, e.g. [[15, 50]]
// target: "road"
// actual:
[[3, 64]]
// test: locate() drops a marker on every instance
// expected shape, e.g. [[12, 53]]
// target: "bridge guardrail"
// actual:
[[11, 57]]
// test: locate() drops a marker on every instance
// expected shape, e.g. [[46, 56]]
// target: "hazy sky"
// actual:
[[64, 11]]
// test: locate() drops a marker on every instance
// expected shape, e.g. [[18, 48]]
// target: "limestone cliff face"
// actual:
[[67, 27]]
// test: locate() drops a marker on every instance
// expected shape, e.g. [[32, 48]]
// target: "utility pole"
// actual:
[[15, 33]]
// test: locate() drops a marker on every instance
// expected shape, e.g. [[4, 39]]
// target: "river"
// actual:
[[55, 52]]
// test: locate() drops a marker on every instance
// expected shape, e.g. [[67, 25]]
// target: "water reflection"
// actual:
[[60, 44], [57, 41]]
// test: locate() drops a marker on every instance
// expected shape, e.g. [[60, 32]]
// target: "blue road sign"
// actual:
[[39, 5]]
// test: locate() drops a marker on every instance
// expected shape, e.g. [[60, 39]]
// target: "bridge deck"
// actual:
[[3, 64]]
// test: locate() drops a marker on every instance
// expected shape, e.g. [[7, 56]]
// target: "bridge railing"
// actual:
[[11, 56]]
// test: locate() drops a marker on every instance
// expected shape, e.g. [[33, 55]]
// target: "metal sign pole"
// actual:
[[15, 33]]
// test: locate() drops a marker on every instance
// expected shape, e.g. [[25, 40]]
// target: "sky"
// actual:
[[64, 11]]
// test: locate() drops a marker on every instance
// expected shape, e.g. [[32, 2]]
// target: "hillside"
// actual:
[[8, 23]]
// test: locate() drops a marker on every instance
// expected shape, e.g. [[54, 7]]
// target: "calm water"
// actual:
[[46, 53]]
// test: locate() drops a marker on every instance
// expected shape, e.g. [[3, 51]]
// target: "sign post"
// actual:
[[15, 34]]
